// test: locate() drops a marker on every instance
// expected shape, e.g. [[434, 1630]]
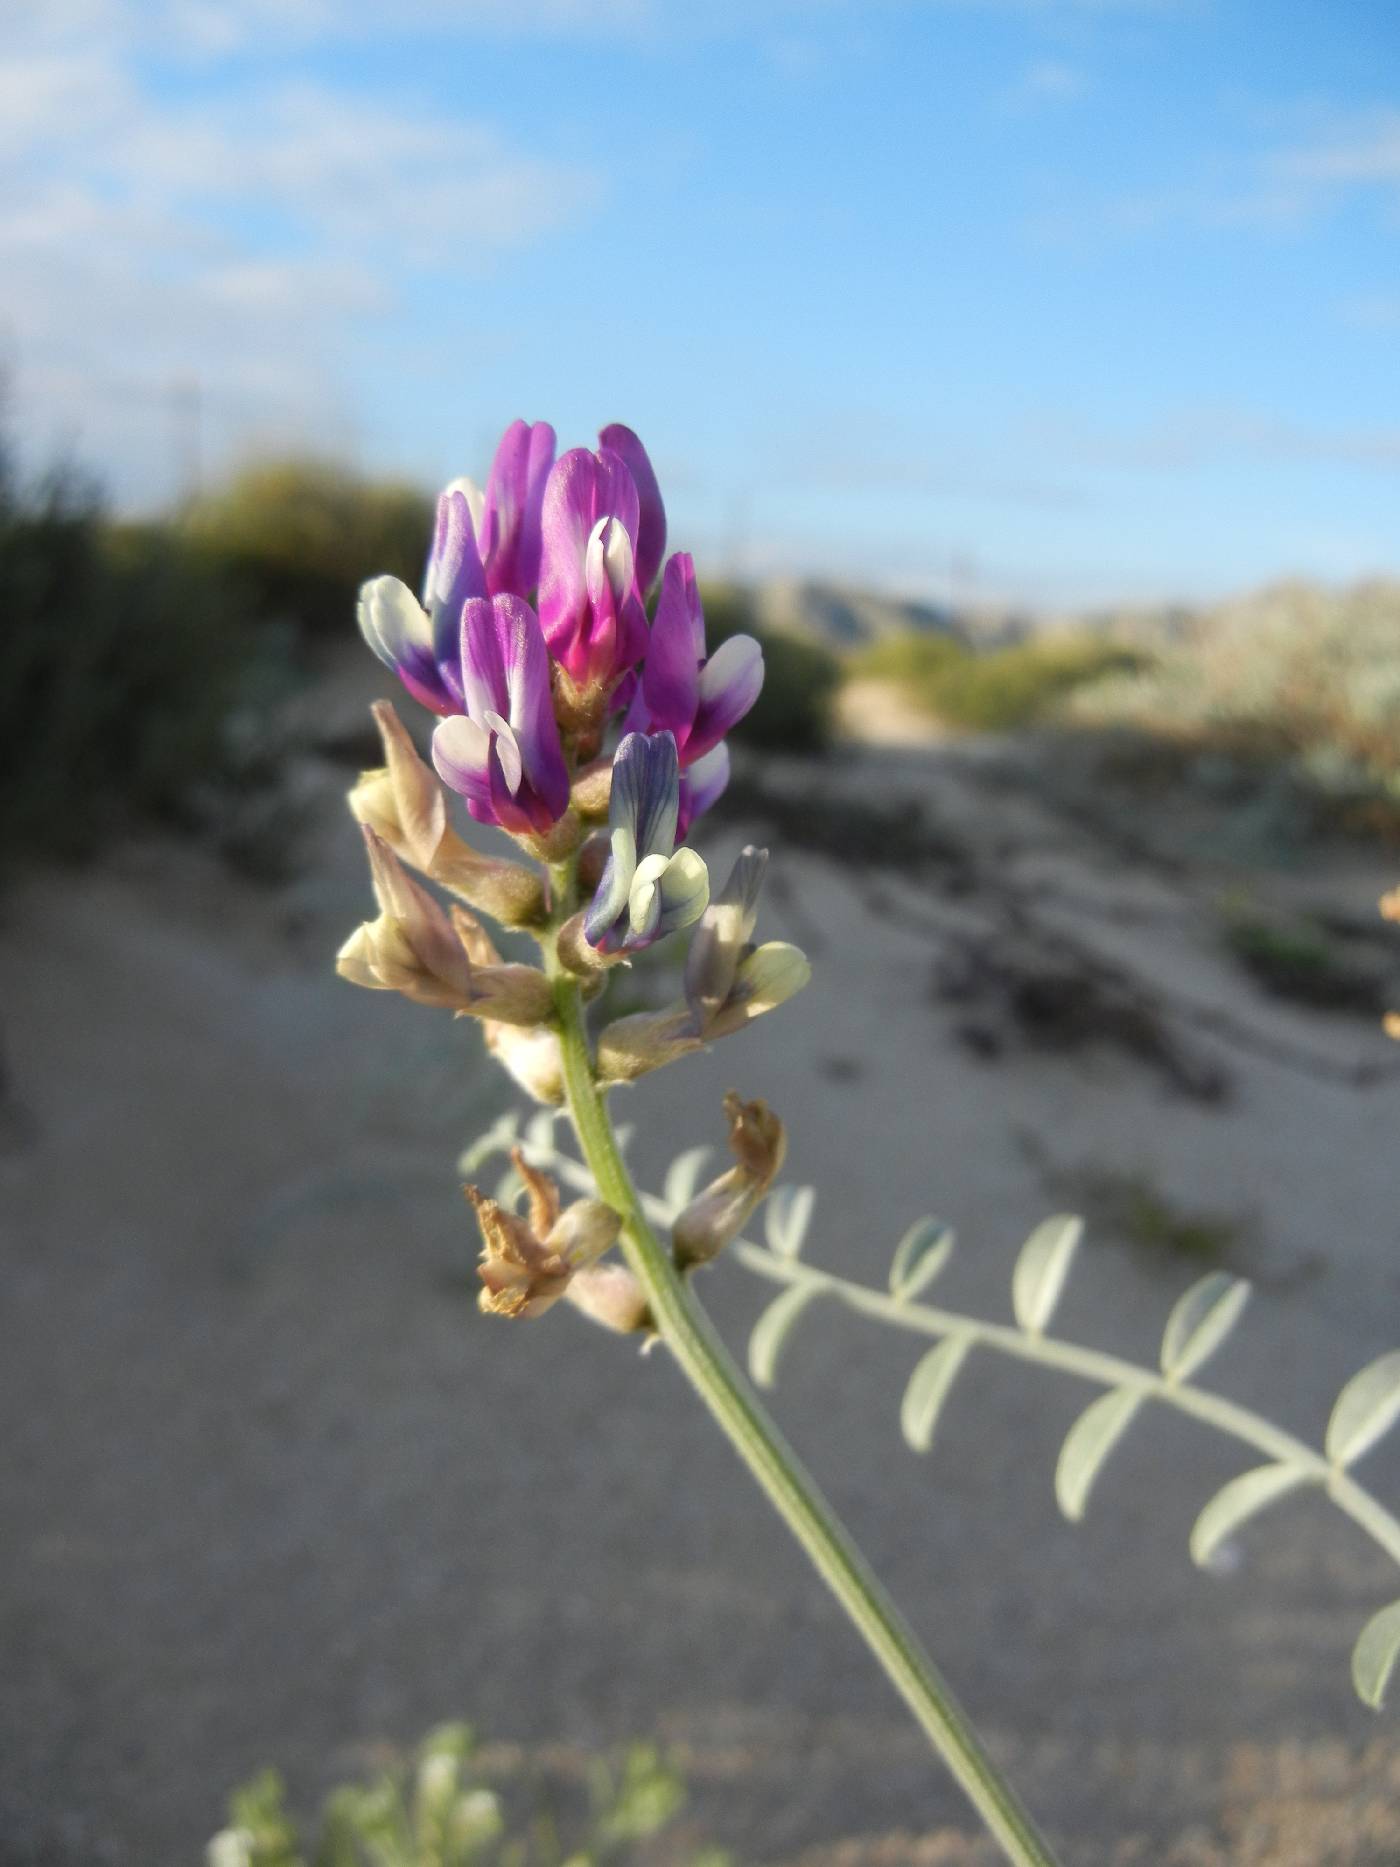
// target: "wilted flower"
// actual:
[[528, 1053], [527, 1264], [649, 887], [404, 804], [503, 753], [590, 602], [415, 949], [717, 1213], [695, 699]]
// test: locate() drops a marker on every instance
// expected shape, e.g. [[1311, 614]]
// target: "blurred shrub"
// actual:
[[124, 660], [998, 689], [299, 537], [794, 711], [1293, 677], [440, 1810]]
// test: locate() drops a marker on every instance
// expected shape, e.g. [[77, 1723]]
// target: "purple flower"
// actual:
[[649, 888], [590, 606], [650, 540], [503, 753], [509, 523], [696, 699]]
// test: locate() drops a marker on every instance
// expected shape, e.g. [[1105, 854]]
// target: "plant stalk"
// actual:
[[707, 1364]]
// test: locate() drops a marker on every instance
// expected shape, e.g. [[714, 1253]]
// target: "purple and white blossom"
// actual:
[[649, 888], [590, 604], [403, 635], [502, 753], [650, 539], [508, 526], [694, 697]]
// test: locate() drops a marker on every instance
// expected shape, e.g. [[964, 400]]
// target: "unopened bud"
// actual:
[[765, 979], [578, 952], [592, 790], [630, 1047], [759, 1145], [610, 1294]]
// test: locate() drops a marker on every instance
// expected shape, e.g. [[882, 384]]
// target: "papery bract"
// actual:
[[503, 753]]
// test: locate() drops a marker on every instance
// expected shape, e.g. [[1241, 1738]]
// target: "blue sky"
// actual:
[[1051, 301]]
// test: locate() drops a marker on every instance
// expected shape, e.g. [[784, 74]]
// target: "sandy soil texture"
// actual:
[[274, 1491]]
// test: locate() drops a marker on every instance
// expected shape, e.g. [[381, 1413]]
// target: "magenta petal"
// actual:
[[671, 676], [566, 521], [510, 520], [701, 785], [530, 705], [650, 533], [730, 682]]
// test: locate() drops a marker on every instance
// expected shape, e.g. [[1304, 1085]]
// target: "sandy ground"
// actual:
[[273, 1491]]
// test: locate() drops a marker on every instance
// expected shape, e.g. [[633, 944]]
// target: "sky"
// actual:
[[1044, 302]]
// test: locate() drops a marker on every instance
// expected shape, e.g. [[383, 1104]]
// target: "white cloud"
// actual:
[[1048, 82], [242, 242]]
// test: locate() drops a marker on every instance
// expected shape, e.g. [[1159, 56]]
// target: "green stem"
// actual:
[[691, 1338]]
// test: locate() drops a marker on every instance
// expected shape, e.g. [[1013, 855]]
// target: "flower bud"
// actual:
[[630, 1047], [767, 978], [403, 803], [722, 937], [716, 1214], [592, 789], [527, 1264], [609, 1294]]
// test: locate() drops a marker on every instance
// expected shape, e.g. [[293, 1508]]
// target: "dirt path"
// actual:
[[274, 1492]]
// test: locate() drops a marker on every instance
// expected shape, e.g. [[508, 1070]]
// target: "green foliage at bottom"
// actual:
[[440, 1808]]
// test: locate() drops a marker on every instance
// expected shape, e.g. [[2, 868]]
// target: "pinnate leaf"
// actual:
[[772, 1329], [1087, 1446], [786, 1218], [1200, 1322], [1367, 1407], [1244, 1497], [1042, 1268], [683, 1176], [928, 1388], [918, 1258], [1374, 1655]]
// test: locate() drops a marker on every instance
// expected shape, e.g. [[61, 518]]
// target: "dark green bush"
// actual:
[[793, 712], [299, 537], [123, 661]]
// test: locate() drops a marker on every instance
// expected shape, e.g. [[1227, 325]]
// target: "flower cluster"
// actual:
[[551, 619], [532, 632]]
